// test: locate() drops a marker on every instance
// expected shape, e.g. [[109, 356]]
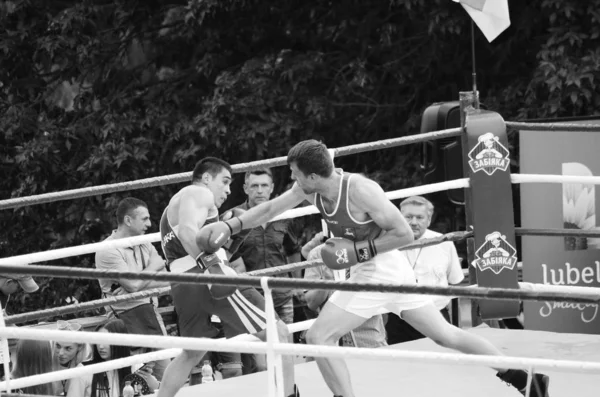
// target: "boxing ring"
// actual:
[[415, 368]]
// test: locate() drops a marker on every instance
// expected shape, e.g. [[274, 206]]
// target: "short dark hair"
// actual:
[[126, 206], [311, 157], [261, 171], [212, 165]]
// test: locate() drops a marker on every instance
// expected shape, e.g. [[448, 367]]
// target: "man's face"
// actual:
[[8, 286], [306, 182], [417, 217], [138, 221], [258, 188], [219, 185]]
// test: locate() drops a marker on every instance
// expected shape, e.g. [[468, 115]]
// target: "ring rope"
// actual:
[[522, 126], [590, 296], [155, 237], [99, 303], [453, 236], [78, 307], [520, 231], [242, 167], [127, 361], [24, 395], [65, 374], [229, 345], [543, 178]]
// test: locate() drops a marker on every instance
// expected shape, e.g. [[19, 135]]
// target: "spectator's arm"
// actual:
[[112, 260], [295, 258], [454, 273], [156, 262], [315, 299], [238, 265], [291, 240], [316, 240]]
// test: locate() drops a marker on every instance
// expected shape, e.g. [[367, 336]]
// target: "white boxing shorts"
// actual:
[[387, 268]]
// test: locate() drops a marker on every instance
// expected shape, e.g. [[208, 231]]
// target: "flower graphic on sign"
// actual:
[[579, 208]]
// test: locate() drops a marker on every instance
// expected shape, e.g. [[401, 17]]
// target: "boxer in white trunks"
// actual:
[[368, 230]]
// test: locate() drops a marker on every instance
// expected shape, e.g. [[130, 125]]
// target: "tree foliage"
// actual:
[[96, 92]]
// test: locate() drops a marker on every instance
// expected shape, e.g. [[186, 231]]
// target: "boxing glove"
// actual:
[[213, 264], [215, 235], [340, 253]]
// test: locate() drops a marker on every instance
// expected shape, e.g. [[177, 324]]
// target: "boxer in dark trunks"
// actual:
[[242, 311]]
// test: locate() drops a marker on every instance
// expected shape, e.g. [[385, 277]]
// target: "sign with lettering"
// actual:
[[561, 260]]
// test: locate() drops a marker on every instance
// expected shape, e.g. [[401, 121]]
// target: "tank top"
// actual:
[[340, 222], [171, 245]]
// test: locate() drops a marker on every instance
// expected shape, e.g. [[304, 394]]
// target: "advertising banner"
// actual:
[[561, 260]]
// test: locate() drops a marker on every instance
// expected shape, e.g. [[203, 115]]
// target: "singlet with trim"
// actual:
[[340, 221], [171, 245]]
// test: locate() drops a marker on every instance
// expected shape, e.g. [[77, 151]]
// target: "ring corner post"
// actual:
[[492, 254], [467, 103]]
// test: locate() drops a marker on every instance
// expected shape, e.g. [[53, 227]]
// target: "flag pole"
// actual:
[[474, 71]]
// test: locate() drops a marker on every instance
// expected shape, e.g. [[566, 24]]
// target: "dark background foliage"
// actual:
[[97, 92]]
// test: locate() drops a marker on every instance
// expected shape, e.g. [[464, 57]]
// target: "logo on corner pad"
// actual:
[[495, 254], [489, 155]]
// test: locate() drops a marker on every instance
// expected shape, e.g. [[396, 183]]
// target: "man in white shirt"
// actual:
[[436, 265]]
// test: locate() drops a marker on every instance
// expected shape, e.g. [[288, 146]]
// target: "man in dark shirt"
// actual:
[[269, 245]]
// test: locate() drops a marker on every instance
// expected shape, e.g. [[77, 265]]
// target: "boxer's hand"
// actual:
[[340, 253], [232, 213], [213, 264], [236, 242], [213, 236]]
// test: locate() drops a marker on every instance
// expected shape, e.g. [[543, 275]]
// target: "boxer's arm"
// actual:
[[193, 211], [266, 211], [369, 197]]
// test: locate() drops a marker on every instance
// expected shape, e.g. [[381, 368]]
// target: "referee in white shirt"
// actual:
[[436, 265]]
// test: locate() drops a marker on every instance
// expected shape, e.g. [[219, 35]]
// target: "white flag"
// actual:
[[491, 16]]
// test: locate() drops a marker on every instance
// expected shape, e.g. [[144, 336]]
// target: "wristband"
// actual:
[[365, 250], [205, 260], [235, 227]]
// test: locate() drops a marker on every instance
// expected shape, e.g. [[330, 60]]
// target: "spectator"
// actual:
[[34, 357], [111, 383], [141, 315], [371, 333], [11, 283], [73, 355], [436, 265], [270, 245]]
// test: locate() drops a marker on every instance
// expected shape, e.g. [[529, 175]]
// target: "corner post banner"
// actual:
[[561, 260], [491, 206]]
